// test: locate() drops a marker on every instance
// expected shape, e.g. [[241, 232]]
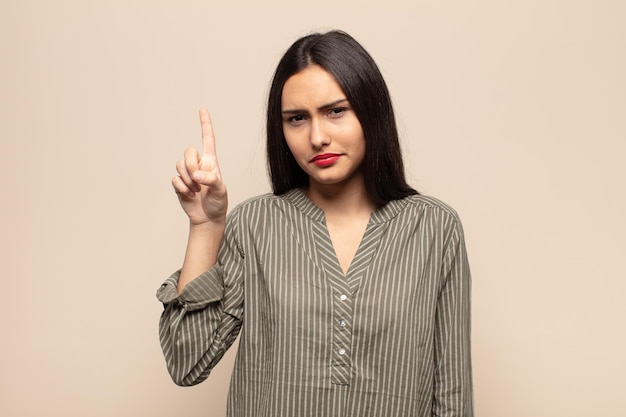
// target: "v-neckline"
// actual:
[[368, 244], [356, 250]]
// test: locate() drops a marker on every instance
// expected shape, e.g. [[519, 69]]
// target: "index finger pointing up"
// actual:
[[208, 137]]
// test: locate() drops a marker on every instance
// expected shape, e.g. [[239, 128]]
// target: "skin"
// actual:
[[317, 120]]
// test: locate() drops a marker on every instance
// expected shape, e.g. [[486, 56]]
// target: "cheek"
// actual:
[[361, 151], [358, 140], [290, 144], [296, 149], [354, 133]]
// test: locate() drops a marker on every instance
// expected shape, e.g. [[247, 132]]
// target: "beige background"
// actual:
[[513, 112]]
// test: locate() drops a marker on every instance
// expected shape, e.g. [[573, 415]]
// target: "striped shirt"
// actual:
[[389, 338]]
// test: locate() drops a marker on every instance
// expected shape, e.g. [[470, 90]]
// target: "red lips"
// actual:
[[325, 159]]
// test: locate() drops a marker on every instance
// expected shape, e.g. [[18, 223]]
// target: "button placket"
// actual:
[[342, 336]]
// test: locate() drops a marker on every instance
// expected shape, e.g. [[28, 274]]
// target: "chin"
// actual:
[[328, 181]]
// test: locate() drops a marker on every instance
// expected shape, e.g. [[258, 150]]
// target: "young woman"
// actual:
[[351, 290]]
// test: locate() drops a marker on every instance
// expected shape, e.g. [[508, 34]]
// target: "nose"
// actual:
[[318, 135]]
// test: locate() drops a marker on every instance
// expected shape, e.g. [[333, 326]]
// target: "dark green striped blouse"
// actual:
[[390, 338]]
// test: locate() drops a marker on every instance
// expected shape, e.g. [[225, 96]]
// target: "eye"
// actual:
[[296, 119], [337, 111]]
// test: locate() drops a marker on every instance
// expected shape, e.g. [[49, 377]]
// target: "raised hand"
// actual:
[[199, 186]]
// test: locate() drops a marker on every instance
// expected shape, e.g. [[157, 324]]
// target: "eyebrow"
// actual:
[[324, 107]]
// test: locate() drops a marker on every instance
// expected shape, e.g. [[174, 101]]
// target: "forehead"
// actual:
[[311, 87]]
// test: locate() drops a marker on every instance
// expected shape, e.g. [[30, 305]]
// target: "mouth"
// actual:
[[325, 159]]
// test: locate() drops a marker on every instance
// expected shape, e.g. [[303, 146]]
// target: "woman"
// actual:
[[352, 289]]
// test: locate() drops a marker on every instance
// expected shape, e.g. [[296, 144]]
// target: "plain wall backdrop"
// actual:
[[513, 112]]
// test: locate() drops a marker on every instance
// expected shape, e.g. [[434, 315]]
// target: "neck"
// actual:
[[341, 199]]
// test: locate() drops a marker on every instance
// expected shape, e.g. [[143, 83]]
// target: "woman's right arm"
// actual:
[[203, 302]]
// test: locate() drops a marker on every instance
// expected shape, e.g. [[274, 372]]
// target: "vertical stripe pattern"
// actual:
[[389, 338]]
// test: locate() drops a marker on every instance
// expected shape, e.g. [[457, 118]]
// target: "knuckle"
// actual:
[[190, 153], [191, 164]]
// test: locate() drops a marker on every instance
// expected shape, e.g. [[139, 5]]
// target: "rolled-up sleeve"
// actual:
[[198, 325]]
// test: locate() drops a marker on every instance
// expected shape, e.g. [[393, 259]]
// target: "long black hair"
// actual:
[[363, 84]]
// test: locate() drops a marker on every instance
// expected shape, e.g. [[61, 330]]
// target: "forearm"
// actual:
[[202, 248], [453, 391], [194, 330], [193, 342]]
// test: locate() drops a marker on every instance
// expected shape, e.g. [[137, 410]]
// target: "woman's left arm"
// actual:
[[453, 391]]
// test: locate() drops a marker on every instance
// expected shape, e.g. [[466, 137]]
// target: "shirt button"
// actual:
[[342, 323], [343, 297], [342, 351]]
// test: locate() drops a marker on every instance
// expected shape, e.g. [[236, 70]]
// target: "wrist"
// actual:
[[210, 226]]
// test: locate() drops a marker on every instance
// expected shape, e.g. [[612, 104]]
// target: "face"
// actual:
[[321, 129]]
